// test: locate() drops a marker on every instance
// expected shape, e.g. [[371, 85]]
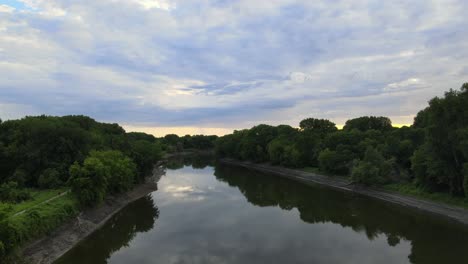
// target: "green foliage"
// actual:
[[89, 182], [369, 123], [144, 154], [429, 171], [432, 153], [49, 179], [199, 142], [284, 153], [372, 170], [5, 209], [121, 170], [46, 152], [33, 146], [318, 125], [445, 150], [102, 172], [337, 162], [10, 192], [424, 193], [19, 229]]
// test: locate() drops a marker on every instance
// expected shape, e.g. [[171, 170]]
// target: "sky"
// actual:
[[211, 66]]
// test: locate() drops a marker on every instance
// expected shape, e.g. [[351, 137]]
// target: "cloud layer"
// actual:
[[228, 64]]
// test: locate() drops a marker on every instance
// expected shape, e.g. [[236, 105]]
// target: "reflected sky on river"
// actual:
[[232, 215]]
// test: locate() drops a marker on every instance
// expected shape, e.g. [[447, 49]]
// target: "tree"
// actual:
[[122, 171], [445, 122], [171, 139], [337, 162], [371, 170], [49, 179], [144, 154], [369, 122], [89, 181], [318, 125], [11, 192]]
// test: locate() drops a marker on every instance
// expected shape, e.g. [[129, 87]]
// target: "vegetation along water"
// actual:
[[52, 168], [223, 214]]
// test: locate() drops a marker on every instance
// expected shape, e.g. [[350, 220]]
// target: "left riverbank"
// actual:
[[53, 246]]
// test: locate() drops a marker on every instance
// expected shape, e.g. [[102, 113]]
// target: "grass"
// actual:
[[39, 219], [38, 196], [412, 190]]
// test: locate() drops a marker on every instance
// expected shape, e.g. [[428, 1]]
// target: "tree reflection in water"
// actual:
[[433, 240], [118, 232]]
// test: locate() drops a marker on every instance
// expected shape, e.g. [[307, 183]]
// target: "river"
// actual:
[[203, 213]]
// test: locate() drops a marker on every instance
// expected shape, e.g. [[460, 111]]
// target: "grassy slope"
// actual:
[[45, 217], [38, 219], [411, 190], [38, 196]]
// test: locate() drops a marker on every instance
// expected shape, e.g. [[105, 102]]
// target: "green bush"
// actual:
[[89, 182], [102, 172], [49, 179], [337, 162], [10, 192], [366, 173], [121, 170], [372, 170], [19, 229]]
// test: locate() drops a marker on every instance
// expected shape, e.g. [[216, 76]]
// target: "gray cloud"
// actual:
[[229, 64]]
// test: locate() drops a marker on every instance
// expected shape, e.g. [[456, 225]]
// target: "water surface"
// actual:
[[225, 214]]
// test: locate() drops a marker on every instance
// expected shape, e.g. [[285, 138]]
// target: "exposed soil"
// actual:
[[50, 248], [455, 213]]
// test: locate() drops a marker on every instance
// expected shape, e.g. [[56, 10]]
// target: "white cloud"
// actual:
[[161, 4], [6, 9], [408, 83]]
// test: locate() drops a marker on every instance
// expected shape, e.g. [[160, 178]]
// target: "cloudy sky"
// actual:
[[210, 66]]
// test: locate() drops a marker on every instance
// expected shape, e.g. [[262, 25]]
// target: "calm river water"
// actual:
[[223, 214]]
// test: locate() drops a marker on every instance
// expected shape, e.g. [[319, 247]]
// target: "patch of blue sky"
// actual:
[[13, 3]]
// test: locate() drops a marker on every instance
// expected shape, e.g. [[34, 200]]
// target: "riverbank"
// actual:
[[50, 248], [452, 212]]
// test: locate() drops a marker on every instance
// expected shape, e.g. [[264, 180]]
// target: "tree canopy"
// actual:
[[432, 153]]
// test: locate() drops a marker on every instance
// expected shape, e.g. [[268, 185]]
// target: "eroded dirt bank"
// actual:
[[455, 213], [50, 248]]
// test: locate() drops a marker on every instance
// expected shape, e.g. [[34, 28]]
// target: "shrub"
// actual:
[[335, 161], [17, 230], [121, 170], [49, 179], [89, 182], [10, 192], [372, 170], [102, 172]]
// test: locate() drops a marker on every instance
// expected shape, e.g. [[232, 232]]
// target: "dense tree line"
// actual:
[[174, 143], [93, 159], [38, 151], [432, 153]]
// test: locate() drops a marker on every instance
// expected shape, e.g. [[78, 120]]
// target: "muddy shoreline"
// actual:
[[457, 214], [51, 247]]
